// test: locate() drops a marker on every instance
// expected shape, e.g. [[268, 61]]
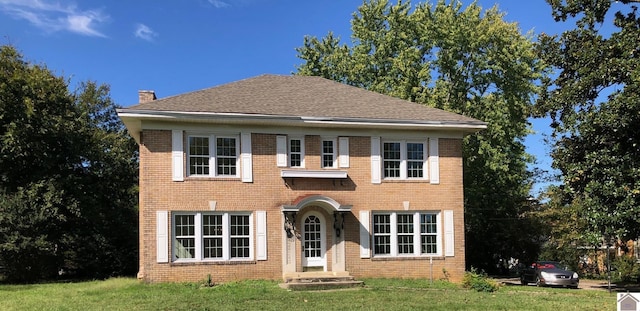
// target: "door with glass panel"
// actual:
[[313, 241]]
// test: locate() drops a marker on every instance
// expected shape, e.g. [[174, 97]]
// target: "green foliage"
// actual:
[[463, 60], [68, 177], [593, 103], [626, 269], [479, 281]]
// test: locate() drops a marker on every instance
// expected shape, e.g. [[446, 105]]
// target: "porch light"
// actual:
[[289, 223], [338, 222]]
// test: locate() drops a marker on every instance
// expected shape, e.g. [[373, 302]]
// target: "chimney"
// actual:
[[145, 96]]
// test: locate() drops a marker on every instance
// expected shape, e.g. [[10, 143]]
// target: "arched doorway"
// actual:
[[314, 241]]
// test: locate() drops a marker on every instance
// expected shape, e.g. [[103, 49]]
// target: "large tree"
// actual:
[[594, 104], [68, 177], [463, 60]]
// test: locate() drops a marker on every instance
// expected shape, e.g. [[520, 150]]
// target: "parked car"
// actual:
[[549, 273]]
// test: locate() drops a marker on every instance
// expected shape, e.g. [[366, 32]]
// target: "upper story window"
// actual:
[[328, 152], [406, 234], [213, 155], [296, 152], [212, 236], [403, 160]]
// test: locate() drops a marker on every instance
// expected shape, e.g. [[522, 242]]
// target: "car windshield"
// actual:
[[547, 265]]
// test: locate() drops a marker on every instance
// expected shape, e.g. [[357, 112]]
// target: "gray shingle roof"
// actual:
[[305, 96]]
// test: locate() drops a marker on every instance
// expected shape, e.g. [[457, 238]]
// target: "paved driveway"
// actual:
[[584, 284]]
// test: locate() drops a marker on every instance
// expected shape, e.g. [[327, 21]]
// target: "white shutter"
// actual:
[[177, 162], [365, 238], [434, 161], [162, 236], [376, 167], [245, 156], [281, 150], [261, 235], [449, 241], [343, 152]]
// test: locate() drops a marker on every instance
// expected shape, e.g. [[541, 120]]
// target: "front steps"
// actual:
[[319, 281]]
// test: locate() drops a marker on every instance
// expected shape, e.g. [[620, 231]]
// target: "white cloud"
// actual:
[[53, 17], [219, 4], [144, 32]]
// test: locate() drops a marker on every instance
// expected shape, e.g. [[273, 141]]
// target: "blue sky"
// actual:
[[174, 47]]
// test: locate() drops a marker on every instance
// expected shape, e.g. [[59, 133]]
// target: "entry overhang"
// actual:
[[319, 200]]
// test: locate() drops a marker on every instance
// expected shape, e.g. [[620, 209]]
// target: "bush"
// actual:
[[625, 269], [479, 281]]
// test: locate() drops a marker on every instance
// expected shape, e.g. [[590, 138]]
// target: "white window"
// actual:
[[328, 152], [212, 236], [213, 156], [296, 152], [406, 234], [403, 160]]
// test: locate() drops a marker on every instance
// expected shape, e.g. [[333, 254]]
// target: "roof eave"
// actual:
[[132, 120]]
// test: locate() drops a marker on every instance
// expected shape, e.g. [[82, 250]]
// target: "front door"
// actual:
[[313, 242]]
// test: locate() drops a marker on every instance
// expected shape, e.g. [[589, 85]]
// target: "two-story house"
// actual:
[[273, 175]]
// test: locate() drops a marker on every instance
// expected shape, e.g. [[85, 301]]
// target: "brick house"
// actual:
[[274, 175]]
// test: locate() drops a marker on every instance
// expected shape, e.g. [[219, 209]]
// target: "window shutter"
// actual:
[[245, 155], [281, 150], [162, 236], [434, 161], [177, 162], [261, 234], [375, 161], [343, 149], [449, 241], [365, 239]]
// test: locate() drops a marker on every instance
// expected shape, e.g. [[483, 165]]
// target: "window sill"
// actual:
[[401, 258], [205, 178], [423, 181], [213, 262]]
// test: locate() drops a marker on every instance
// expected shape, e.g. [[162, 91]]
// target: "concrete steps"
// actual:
[[319, 281]]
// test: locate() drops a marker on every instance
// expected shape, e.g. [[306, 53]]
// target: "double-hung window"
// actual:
[[296, 152], [407, 234], [213, 155], [212, 236], [404, 160], [328, 153]]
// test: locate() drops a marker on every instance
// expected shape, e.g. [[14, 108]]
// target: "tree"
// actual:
[[465, 61], [68, 177], [593, 101]]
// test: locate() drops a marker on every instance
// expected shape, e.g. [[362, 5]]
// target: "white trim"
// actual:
[[261, 235], [343, 152], [449, 239], [313, 174], [302, 151], [162, 237], [245, 156], [365, 236], [322, 260], [376, 161], [177, 154], [434, 161], [334, 147], [281, 151], [213, 155]]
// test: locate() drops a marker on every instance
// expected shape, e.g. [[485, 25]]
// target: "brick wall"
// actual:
[[268, 192]]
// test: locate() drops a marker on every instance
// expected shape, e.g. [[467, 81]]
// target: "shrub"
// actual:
[[479, 281]]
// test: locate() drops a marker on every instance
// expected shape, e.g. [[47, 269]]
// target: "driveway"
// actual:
[[584, 284]]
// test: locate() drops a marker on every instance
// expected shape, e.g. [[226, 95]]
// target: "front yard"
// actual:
[[377, 294]]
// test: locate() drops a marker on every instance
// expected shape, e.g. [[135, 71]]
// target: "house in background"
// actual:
[[278, 175]]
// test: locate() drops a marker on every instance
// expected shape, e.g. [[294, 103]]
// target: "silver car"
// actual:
[[549, 273]]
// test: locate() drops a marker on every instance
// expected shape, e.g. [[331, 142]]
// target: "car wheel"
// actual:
[[538, 281], [523, 281]]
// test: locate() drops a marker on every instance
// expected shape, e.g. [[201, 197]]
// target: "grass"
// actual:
[[378, 294]]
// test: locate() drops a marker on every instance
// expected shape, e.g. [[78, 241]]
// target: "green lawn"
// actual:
[[130, 294]]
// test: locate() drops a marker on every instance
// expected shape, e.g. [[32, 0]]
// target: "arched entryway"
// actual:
[[313, 242], [312, 236]]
